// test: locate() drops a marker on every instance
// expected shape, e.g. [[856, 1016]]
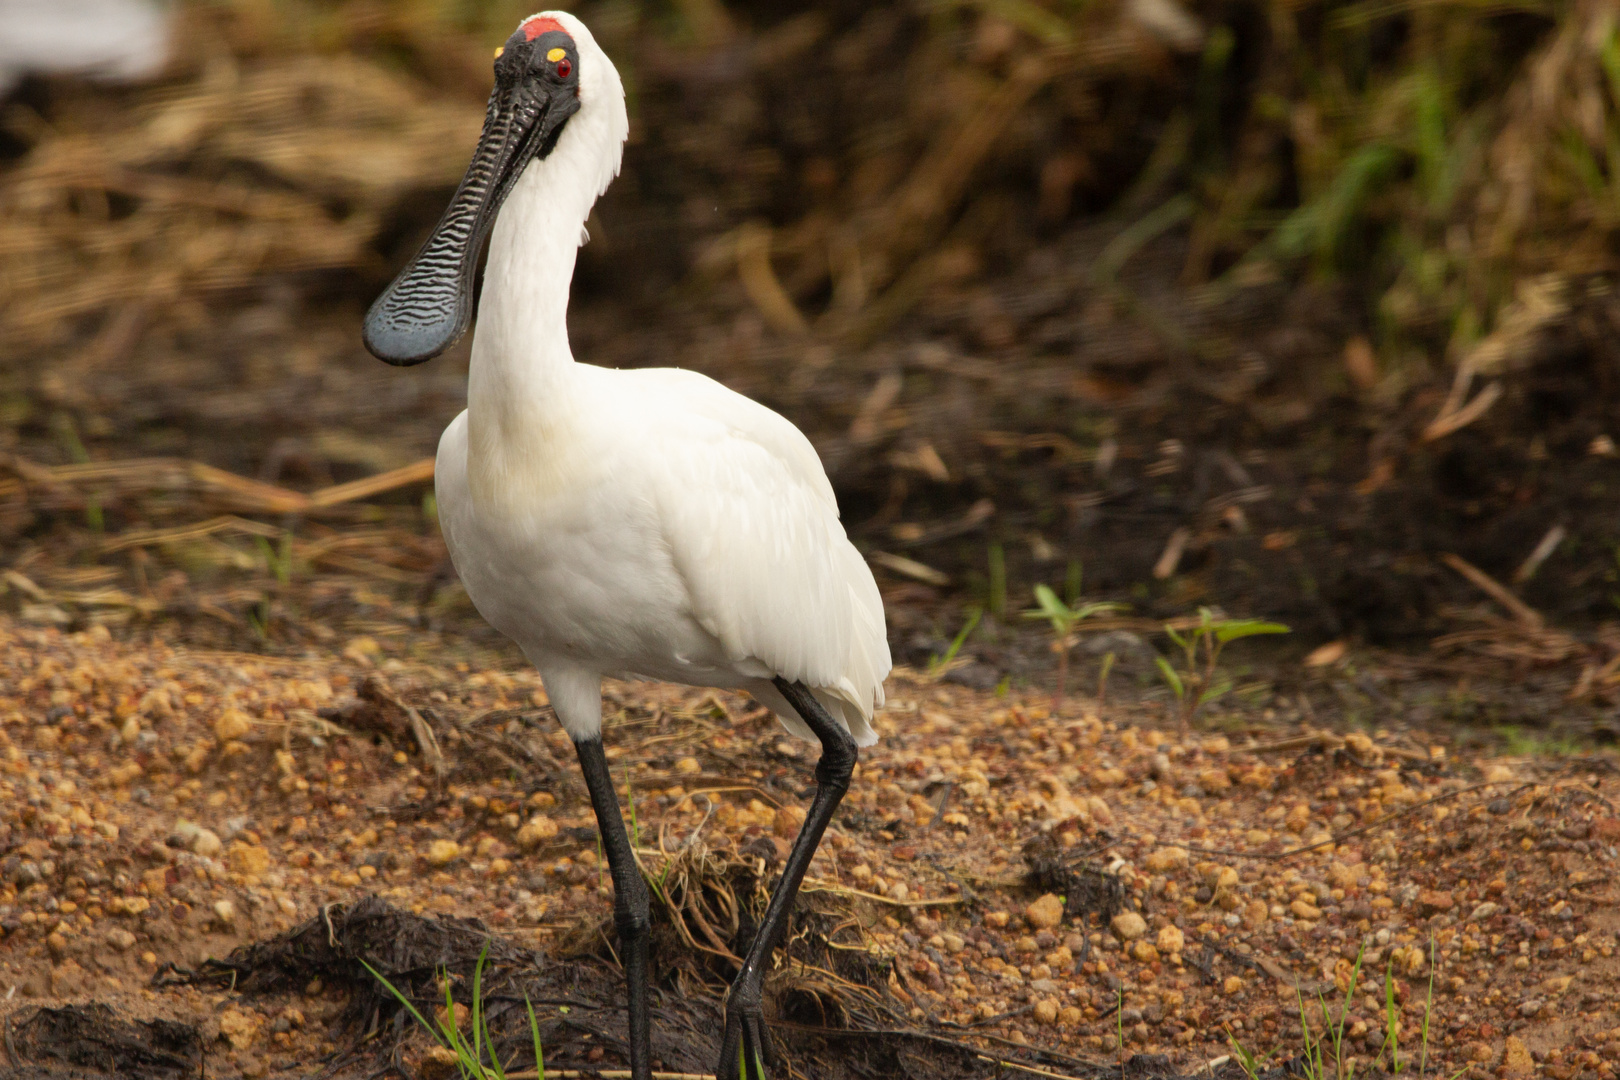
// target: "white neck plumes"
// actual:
[[520, 354]]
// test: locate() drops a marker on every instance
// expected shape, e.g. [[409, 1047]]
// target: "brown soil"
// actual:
[[215, 839]]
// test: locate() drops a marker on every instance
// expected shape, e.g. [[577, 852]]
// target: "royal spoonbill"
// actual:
[[644, 524]]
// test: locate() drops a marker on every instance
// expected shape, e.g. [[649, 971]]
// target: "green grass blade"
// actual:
[[534, 1030], [1170, 677], [478, 1007], [403, 1000], [974, 615], [1236, 629]]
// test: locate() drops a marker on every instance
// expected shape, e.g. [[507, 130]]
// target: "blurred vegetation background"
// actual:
[[1269, 305]]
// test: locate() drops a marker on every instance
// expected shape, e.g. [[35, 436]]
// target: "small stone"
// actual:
[[1435, 901], [1144, 952], [135, 905], [1484, 911], [238, 1028], [1162, 860], [1045, 913], [438, 1063], [535, 832], [1304, 909], [997, 919], [688, 766], [1171, 940], [1531, 1007], [231, 724], [789, 820], [462, 1014], [1128, 926], [1341, 876], [225, 912], [1045, 1011], [1100, 813], [248, 859], [57, 943], [1070, 1016], [1516, 1059], [1232, 985], [953, 942], [442, 852], [206, 843], [120, 939]]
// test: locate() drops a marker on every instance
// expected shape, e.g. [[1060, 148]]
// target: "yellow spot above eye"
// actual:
[[498, 50], [556, 54]]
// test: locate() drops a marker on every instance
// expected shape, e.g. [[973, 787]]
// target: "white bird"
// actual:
[[642, 524]]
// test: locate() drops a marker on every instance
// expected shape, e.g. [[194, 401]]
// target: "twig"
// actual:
[[415, 473], [822, 885], [939, 811], [238, 492], [1005, 1064], [1448, 422], [910, 568], [1490, 587], [1543, 551], [752, 245], [426, 741], [1171, 557]]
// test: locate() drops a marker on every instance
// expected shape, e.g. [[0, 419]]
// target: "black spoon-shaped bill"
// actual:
[[428, 307]]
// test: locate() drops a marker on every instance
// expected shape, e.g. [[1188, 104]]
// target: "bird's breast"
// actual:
[[575, 566]]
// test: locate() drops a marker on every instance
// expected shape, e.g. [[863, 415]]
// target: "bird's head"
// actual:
[[554, 88]]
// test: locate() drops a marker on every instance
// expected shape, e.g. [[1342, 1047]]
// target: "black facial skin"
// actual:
[[429, 306]]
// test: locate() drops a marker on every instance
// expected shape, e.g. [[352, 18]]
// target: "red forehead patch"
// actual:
[[540, 25]]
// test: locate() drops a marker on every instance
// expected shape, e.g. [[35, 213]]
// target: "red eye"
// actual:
[[564, 68]]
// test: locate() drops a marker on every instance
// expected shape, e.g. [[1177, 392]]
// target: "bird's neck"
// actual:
[[517, 387]]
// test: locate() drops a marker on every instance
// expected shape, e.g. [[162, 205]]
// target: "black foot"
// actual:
[[742, 1053]]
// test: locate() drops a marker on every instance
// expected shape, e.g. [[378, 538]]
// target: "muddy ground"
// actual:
[[201, 846]]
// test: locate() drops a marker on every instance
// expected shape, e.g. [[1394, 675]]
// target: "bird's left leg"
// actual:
[[742, 1052], [630, 902]]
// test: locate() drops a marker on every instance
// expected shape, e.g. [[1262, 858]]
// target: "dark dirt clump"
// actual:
[[93, 1040]]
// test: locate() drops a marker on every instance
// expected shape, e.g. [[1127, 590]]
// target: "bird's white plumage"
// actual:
[[640, 524]]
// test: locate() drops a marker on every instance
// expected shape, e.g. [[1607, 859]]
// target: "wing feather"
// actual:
[[752, 528]]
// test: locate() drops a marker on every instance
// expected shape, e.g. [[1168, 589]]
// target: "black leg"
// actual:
[[742, 1051], [629, 901]]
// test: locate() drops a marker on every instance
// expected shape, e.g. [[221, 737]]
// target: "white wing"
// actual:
[[753, 529]]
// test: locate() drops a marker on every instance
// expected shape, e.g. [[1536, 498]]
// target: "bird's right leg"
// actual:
[[630, 908], [742, 1051]]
